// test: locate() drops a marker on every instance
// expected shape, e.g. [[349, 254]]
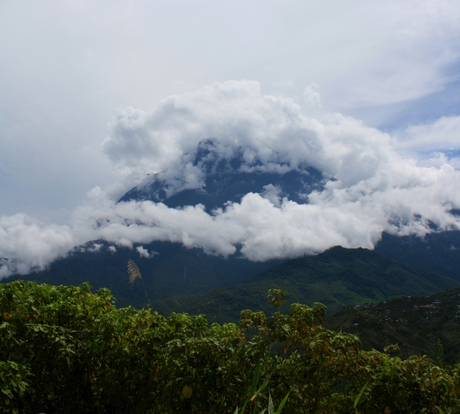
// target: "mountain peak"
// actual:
[[214, 175]]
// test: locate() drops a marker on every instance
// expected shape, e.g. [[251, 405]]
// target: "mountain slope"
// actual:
[[337, 277], [436, 252], [173, 270], [415, 323]]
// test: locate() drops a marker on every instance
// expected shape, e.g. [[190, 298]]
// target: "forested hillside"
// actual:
[[336, 278], [420, 325]]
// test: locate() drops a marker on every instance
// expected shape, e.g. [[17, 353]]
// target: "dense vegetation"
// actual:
[[338, 277], [67, 350], [420, 325]]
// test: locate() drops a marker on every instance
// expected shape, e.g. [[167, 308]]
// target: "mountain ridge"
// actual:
[[336, 278]]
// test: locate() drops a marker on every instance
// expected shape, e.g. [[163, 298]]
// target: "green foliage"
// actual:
[[277, 297], [67, 350], [12, 383]]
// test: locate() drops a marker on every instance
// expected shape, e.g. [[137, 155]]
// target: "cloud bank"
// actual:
[[374, 182]]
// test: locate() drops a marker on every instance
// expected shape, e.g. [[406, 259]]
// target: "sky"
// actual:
[[95, 95]]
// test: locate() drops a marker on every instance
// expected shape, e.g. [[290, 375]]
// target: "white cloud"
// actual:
[[67, 66], [271, 132], [143, 252], [372, 187], [442, 135], [95, 247], [27, 243], [312, 97]]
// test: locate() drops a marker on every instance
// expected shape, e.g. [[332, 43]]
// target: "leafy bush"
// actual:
[[67, 350]]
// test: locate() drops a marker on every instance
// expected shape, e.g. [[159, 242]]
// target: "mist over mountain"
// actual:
[[214, 180], [232, 172]]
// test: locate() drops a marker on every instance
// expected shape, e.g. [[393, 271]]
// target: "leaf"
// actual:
[[133, 271], [260, 390], [244, 406], [187, 391], [8, 393], [359, 396], [271, 407], [277, 297], [283, 402], [255, 380]]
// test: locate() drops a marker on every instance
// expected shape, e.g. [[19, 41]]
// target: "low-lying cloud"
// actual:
[[375, 182], [28, 244]]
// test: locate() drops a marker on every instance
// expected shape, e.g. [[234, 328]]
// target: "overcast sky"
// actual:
[[95, 94]]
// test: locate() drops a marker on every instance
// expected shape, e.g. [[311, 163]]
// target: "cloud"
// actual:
[[312, 97], [371, 185], [441, 135], [95, 248], [372, 188], [66, 67], [26, 243], [270, 132], [143, 252]]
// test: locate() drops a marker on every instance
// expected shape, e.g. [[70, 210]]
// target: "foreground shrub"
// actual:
[[67, 350]]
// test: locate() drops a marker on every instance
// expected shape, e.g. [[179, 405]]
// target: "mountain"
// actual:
[[436, 252], [173, 271], [223, 179], [213, 176], [417, 324], [338, 277], [228, 179]]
